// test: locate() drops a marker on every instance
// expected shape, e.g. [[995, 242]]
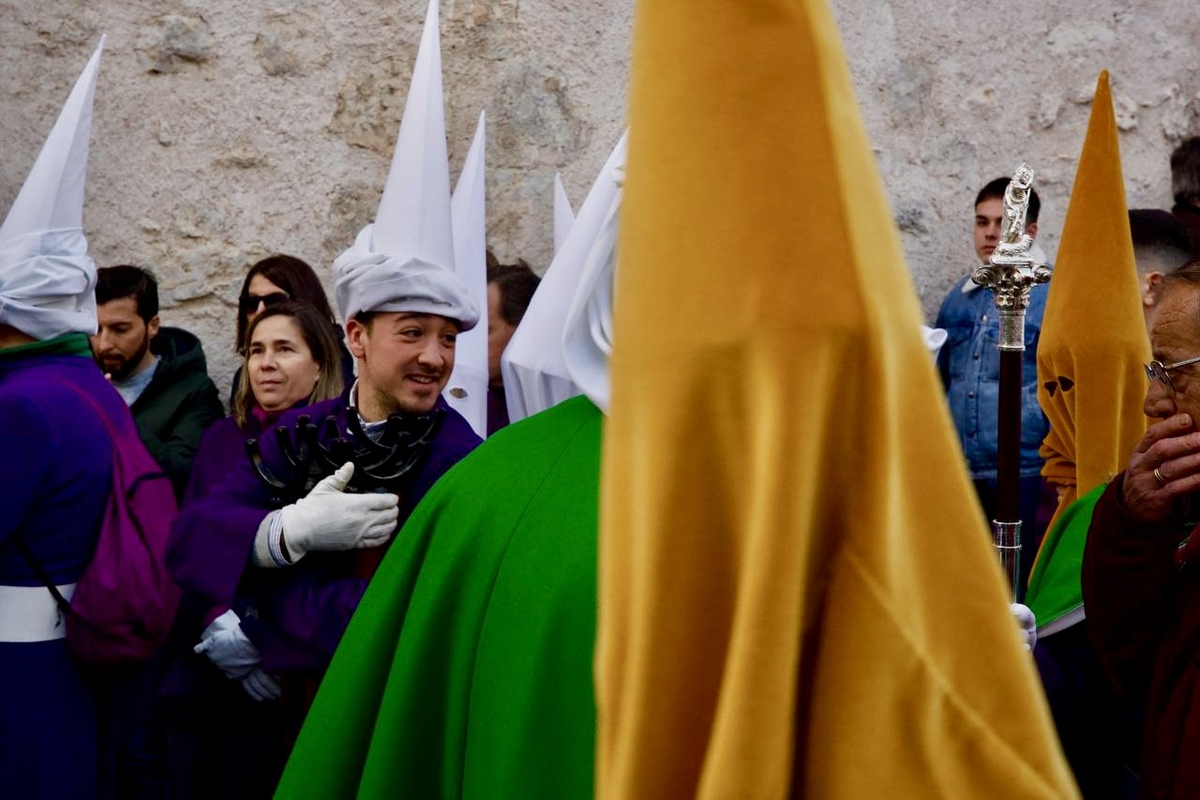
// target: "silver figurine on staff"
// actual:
[[1011, 273]]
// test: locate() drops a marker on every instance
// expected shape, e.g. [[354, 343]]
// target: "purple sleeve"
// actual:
[[212, 539], [301, 613], [221, 445]]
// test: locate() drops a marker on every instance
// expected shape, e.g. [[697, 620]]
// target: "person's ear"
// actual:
[[356, 336], [152, 326], [1150, 285], [1031, 229]]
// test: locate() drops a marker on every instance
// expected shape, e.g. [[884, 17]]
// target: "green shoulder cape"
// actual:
[[1055, 592], [467, 669]]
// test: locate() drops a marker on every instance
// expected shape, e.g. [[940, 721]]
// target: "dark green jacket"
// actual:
[[180, 402]]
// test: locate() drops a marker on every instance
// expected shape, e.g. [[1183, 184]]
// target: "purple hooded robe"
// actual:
[[55, 479]]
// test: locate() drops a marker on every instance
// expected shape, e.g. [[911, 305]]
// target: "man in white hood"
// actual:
[[484, 623], [56, 468]]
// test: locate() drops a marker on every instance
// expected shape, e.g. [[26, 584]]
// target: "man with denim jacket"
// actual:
[[970, 367]]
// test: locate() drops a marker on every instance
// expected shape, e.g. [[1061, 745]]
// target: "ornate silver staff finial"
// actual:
[[1011, 272]]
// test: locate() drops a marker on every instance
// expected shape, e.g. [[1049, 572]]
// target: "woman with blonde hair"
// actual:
[[293, 359], [227, 732]]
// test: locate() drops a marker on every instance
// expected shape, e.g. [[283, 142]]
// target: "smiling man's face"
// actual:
[[404, 361]]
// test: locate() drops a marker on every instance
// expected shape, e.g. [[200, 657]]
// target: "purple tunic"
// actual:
[[55, 479], [222, 445], [296, 615], [497, 409]]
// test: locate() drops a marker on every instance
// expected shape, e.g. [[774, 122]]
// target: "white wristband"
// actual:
[[268, 548]]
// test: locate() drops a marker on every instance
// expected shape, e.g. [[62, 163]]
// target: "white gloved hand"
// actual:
[[328, 519], [228, 647], [1024, 617], [261, 686]]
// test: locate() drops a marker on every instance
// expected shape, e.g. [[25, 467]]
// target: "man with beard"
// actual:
[[160, 371]]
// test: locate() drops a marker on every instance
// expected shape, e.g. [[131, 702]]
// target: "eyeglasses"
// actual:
[[250, 302], [1158, 371]]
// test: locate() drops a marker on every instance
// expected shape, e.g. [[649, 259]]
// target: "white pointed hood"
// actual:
[[404, 261], [564, 215], [587, 339], [47, 279], [466, 392], [534, 367]]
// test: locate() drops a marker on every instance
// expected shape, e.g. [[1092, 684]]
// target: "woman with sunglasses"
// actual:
[[278, 279], [226, 737]]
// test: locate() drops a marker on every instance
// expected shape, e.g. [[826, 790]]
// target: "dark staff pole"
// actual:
[[1011, 273], [1006, 527]]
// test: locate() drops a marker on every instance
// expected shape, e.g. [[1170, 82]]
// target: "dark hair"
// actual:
[[516, 284], [1160, 241], [324, 346], [1185, 171], [367, 319], [126, 280], [292, 275], [996, 189]]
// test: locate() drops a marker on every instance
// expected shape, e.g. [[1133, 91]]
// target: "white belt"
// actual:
[[30, 614]]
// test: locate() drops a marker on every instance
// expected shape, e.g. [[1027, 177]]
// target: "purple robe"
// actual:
[[497, 409], [55, 479], [295, 615], [222, 445], [221, 742]]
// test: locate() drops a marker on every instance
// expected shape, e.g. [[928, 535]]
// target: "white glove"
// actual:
[[328, 519], [260, 685], [1024, 617], [227, 646]]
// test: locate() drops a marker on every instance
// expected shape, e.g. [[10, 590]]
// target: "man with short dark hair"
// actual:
[[159, 371], [1185, 185], [969, 363], [510, 288], [1161, 245]]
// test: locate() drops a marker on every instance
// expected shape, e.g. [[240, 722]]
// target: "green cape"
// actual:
[[1055, 593], [467, 669]]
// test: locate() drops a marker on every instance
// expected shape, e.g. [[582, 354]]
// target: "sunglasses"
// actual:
[[249, 303]]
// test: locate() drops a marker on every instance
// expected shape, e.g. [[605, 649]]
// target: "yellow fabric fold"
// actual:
[[797, 595], [1090, 379]]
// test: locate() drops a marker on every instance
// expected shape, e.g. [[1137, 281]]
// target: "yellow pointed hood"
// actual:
[[1093, 343], [797, 594]]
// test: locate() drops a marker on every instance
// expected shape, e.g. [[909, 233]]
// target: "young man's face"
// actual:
[[499, 332], [989, 221], [122, 343], [404, 361]]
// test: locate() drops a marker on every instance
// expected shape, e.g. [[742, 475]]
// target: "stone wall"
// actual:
[[226, 130]]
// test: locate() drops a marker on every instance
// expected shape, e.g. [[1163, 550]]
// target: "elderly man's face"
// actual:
[[1175, 336], [404, 361]]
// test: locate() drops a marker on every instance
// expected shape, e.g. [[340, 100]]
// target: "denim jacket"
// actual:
[[970, 367]]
